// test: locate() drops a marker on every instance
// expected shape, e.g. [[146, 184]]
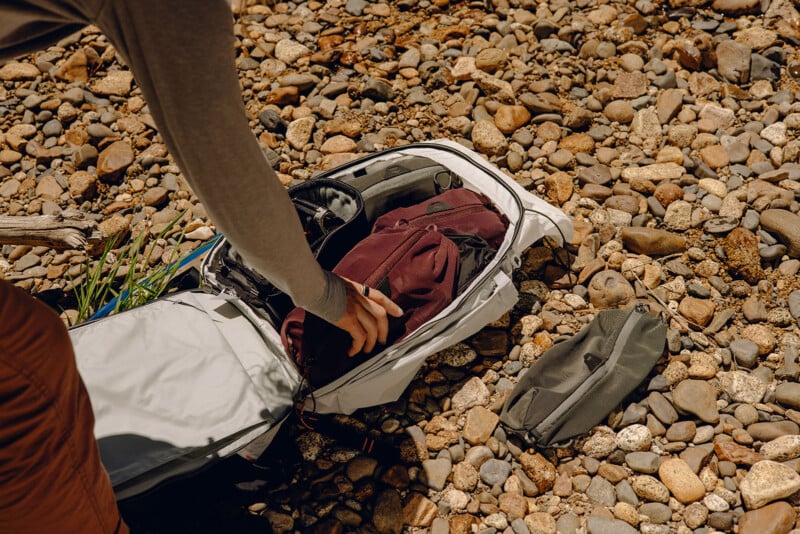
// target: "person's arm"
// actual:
[[182, 55]]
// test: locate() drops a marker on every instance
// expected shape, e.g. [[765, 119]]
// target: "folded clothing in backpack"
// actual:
[[411, 260]]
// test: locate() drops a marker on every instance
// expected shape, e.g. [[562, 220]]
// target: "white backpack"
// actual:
[[198, 375]]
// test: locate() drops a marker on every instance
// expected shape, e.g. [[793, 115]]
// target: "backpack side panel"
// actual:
[[184, 373]]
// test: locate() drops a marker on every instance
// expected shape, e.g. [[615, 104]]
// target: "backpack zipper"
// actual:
[[452, 213], [547, 427]]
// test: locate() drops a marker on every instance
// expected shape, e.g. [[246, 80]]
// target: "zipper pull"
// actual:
[[641, 307]]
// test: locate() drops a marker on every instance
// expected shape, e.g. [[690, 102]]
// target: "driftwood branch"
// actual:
[[54, 231]]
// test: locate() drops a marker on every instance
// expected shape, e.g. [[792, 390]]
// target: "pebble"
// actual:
[[634, 438], [775, 518], [642, 462], [698, 398], [768, 481], [652, 241], [786, 226], [681, 481]]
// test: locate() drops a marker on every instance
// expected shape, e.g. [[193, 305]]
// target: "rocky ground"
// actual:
[[669, 133]]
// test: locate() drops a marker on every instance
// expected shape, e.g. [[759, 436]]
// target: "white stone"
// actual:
[[497, 521], [743, 387], [473, 393], [531, 324], [457, 499], [634, 438], [782, 448], [290, 51], [775, 134], [768, 481], [715, 503], [299, 131]]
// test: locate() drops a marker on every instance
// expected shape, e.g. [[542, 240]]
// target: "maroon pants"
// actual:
[[51, 478]]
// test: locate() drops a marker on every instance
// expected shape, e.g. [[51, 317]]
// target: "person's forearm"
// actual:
[[181, 54]]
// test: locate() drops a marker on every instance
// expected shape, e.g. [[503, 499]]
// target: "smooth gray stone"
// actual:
[[601, 492], [568, 523], [745, 352], [643, 462], [625, 493], [789, 369], [662, 408], [657, 512], [794, 303], [494, 472]]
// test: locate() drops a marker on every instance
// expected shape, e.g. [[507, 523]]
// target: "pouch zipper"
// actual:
[[546, 428]]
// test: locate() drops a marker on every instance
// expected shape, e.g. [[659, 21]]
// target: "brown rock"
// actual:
[[702, 83], [388, 514], [396, 476], [509, 119], [652, 241], [462, 524], [113, 161], [540, 523], [619, 111], [761, 336], [338, 144], [626, 203], [775, 518], [613, 473], [609, 289], [786, 226], [578, 142], [155, 196], [715, 156], [514, 505], [733, 452], [681, 481], [598, 193], [116, 83], [15, 71], [559, 187], [419, 511], [698, 311], [741, 248], [539, 470], [734, 7], [491, 59], [48, 187], [74, 69], [548, 131], [668, 104], [488, 139], [667, 193], [479, 425], [283, 96], [630, 85], [696, 397]]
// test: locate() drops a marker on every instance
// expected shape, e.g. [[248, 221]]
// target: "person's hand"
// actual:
[[365, 317]]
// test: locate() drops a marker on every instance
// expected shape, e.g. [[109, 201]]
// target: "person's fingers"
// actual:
[[381, 322], [359, 337], [370, 325], [391, 308]]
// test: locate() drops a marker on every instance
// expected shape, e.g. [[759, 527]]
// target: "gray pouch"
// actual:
[[577, 383]]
